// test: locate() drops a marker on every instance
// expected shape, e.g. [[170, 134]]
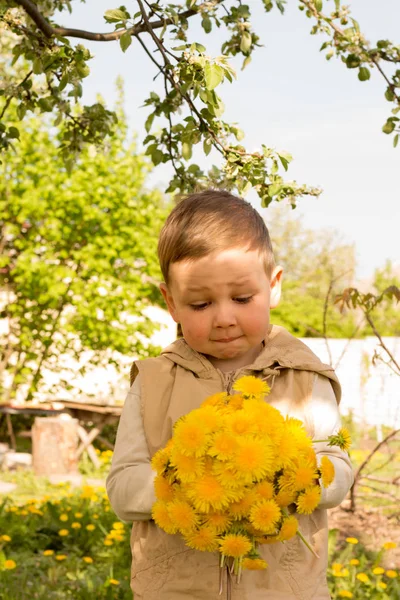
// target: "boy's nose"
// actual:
[[224, 318]]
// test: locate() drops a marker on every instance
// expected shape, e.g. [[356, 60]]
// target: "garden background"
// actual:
[[86, 181]]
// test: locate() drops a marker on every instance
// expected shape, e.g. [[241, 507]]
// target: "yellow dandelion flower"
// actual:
[[345, 594], [63, 517], [392, 574], [218, 522], [236, 402], [254, 564], [87, 491], [352, 540], [188, 468], [163, 489], [285, 497], [63, 532], [251, 387], [207, 493], [308, 500], [267, 539], [223, 446], [240, 423], [48, 552], [108, 542], [295, 428], [209, 417], [286, 450], [76, 525], [342, 439], [113, 581], [160, 460], [191, 436], [289, 528], [337, 567], [327, 471], [78, 515], [363, 577], [215, 400], [228, 475], [5, 538], [61, 557], [161, 516], [88, 559], [10, 564], [389, 545], [182, 515], [382, 585], [235, 544], [265, 515], [303, 477], [241, 508], [118, 525], [255, 459], [378, 571], [204, 539], [354, 562], [264, 490]]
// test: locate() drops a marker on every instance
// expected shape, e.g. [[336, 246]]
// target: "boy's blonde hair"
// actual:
[[212, 221]]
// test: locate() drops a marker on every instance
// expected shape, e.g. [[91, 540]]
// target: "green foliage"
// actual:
[[79, 255], [189, 112], [316, 267]]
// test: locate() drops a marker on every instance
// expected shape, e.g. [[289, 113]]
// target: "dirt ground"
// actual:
[[371, 528]]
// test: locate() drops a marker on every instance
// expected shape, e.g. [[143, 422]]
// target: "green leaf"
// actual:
[[395, 140], [125, 41], [213, 74], [21, 111], [13, 133], [245, 42], [186, 150], [246, 62], [364, 74], [206, 24], [388, 126], [116, 14], [207, 147], [37, 66], [318, 5], [389, 95], [352, 61], [157, 157], [149, 122]]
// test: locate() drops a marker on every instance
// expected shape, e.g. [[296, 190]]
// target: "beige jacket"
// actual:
[[172, 385]]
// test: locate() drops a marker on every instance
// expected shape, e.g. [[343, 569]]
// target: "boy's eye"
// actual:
[[243, 300], [199, 306]]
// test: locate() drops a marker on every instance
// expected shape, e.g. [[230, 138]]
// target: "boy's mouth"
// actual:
[[226, 340]]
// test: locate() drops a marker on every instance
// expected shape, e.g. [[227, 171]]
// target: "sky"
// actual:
[[292, 99]]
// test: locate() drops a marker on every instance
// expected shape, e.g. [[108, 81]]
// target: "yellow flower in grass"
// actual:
[[76, 525], [255, 459], [161, 516], [289, 528], [327, 471], [63, 532], [218, 522], [392, 574], [10, 564], [363, 577], [207, 493], [251, 387], [265, 515], [264, 490], [87, 559], [389, 545], [78, 515], [118, 525], [90, 527], [342, 439], [188, 468], [163, 489], [191, 437], [204, 539], [61, 557], [354, 562], [108, 542], [352, 540], [160, 460], [182, 515], [48, 552], [235, 544], [5, 538], [382, 585], [223, 446], [64, 517], [113, 581], [378, 571], [254, 564], [345, 594], [308, 500]]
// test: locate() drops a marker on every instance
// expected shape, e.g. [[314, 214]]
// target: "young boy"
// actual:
[[220, 282]]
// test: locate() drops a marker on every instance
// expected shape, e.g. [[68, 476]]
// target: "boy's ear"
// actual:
[[169, 301], [276, 286]]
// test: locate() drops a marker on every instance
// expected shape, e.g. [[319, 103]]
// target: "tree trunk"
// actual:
[[54, 445]]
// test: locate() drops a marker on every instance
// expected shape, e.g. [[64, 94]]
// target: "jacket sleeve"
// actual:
[[130, 483], [325, 417]]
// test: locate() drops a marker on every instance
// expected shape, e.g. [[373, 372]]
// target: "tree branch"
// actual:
[[49, 31]]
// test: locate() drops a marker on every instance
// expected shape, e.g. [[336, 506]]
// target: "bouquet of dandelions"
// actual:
[[233, 472]]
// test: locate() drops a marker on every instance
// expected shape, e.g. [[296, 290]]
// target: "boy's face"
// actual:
[[222, 302]]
